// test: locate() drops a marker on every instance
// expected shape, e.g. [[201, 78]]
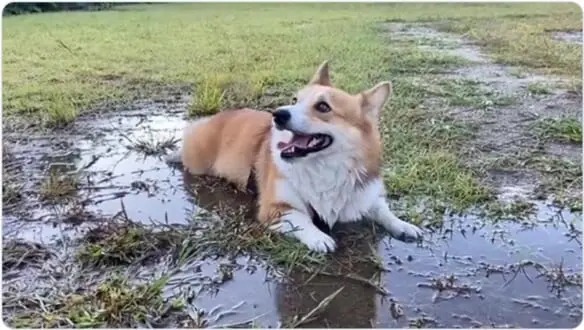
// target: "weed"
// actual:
[[468, 93], [153, 146], [58, 187], [208, 99]]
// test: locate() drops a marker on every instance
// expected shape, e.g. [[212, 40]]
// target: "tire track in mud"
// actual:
[[504, 141]]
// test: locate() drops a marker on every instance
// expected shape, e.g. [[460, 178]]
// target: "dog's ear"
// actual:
[[374, 99], [322, 77]]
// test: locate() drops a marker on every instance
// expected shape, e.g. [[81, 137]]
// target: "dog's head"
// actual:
[[323, 120]]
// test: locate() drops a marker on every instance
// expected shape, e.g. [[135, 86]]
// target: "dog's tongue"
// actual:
[[300, 141]]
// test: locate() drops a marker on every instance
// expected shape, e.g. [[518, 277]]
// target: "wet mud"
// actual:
[[469, 273], [574, 37]]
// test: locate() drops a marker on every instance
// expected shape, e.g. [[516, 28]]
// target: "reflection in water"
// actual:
[[296, 297]]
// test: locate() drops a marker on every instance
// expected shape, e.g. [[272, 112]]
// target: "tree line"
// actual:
[[18, 8]]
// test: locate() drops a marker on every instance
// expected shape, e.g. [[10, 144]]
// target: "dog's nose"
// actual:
[[281, 117]]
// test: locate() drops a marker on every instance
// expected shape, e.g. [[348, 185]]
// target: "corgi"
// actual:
[[319, 156]]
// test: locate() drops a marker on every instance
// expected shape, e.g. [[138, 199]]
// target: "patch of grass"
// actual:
[[468, 93], [564, 129], [108, 55], [125, 242], [538, 89], [61, 111], [525, 41], [58, 187], [240, 235], [114, 303], [515, 211], [208, 99], [153, 146], [575, 87], [412, 60], [439, 175]]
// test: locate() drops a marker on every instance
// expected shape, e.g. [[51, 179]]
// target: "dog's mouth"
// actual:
[[303, 144]]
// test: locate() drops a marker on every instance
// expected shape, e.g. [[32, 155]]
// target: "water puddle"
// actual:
[[571, 37], [470, 274]]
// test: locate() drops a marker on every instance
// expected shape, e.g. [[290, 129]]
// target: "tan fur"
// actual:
[[229, 145]]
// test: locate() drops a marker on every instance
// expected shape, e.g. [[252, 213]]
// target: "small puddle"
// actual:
[[471, 274], [572, 37]]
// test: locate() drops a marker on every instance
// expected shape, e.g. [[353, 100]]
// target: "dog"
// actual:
[[319, 156]]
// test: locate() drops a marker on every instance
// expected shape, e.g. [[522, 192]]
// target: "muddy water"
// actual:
[[485, 289]]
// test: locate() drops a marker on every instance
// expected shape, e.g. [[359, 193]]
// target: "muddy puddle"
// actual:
[[573, 37], [470, 273]]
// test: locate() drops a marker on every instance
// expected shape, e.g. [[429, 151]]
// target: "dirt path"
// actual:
[[505, 141], [470, 272]]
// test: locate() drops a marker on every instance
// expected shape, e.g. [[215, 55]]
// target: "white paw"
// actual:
[[406, 232], [316, 240]]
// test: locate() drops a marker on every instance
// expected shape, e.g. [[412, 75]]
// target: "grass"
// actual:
[[538, 89], [11, 189], [525, 41], [208, 99], [114, 303], [124, 243], [468, 93], [18, 253], [563, 129], [88, 67], [60, 112]]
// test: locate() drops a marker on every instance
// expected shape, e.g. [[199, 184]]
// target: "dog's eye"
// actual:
[[322, 107], [294, 100]]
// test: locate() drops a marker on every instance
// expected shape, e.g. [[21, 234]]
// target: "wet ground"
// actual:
[[470, 273], [568, 36]]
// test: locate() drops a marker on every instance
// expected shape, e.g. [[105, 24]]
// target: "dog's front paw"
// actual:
[[316, 240], [406, 232]]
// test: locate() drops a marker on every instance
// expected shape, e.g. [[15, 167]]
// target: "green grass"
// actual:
[[208, 99], [468, 93], [125, 242], [526, 40], [539, 89], [564, 129], [88, 56], [114, 303]]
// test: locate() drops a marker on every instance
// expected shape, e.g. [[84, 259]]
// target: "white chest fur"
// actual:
[[330, 185]]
